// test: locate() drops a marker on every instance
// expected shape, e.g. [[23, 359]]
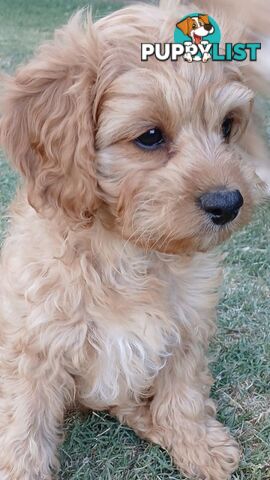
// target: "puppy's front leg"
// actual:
[[181, 418], [33, 393], [199, 444]]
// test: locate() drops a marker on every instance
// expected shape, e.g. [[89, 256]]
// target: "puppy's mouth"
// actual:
[[197, 39]]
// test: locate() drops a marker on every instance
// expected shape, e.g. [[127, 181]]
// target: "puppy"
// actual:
[[133, 172], [196, 27]]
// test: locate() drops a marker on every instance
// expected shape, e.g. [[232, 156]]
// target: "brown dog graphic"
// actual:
[[196, 28]]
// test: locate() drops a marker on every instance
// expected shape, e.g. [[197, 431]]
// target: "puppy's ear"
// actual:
[[47, 127], [185, 25], [204, 18]]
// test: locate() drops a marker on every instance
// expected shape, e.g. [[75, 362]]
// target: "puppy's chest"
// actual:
[[133, 334], [124, 361]]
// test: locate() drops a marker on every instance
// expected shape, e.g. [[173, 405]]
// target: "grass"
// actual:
[[96, 446]]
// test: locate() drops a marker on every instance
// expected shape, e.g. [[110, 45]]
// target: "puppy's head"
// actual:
[[196, 27], [149, 149]]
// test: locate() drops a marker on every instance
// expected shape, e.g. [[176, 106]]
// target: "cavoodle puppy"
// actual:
[[133, 171]]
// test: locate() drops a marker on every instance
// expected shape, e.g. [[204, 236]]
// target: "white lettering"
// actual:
[[147, 50]]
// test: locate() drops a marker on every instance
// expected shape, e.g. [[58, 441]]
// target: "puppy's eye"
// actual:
[[194, 25], [151, 139], [227, 126]]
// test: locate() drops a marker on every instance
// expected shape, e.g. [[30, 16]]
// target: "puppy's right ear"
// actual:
[[184, 25], [47, 127]]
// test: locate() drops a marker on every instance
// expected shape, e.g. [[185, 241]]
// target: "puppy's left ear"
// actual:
[[204, 18], [47, 126]]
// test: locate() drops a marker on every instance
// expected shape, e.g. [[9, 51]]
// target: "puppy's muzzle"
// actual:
[[221, 206]]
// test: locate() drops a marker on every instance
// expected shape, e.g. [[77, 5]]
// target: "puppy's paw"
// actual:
[[221, 456], [188, 57], [206, 57], [214, 457], [223, 461]]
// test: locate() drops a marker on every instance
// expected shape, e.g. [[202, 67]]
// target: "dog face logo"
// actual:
[[197, 31], [196, 27]]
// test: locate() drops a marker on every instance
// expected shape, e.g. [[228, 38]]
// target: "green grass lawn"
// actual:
[[96, 446]]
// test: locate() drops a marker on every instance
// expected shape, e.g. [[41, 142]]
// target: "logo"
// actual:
[[197, 37], [197, 32]]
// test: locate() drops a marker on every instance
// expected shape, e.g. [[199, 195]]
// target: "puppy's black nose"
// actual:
[[208, 26], [221, 206]]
